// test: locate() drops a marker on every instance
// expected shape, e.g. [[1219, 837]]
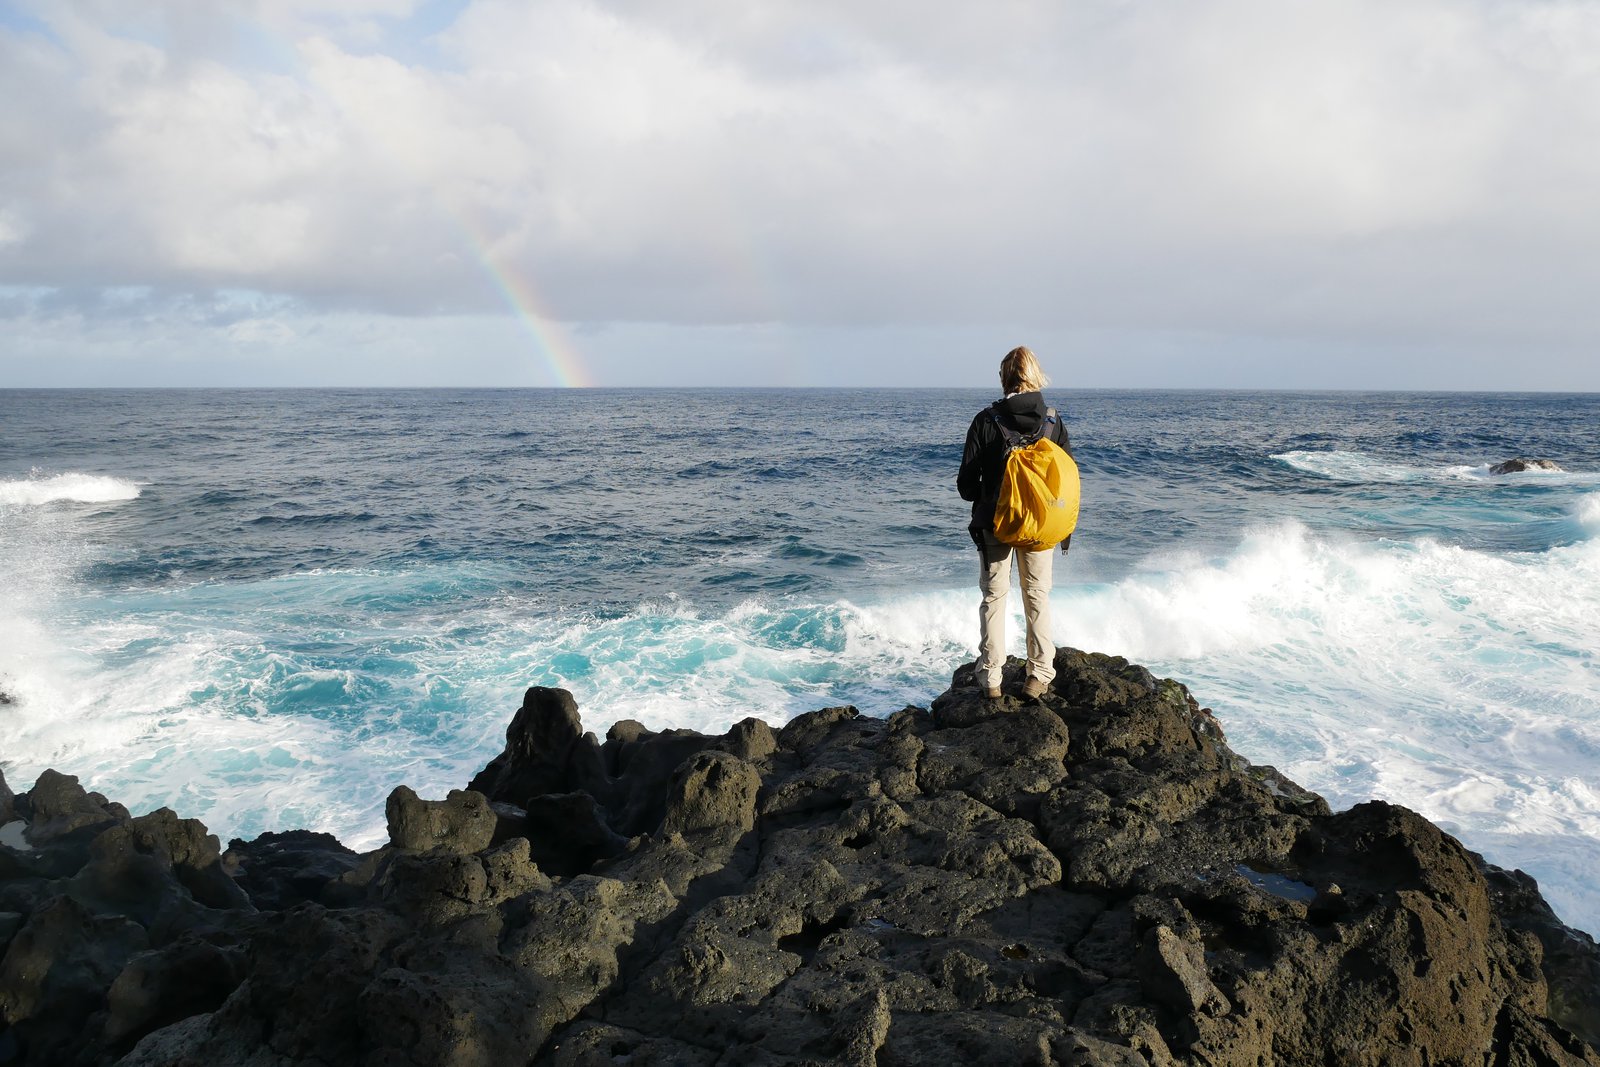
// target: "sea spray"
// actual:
[[259, 730], [71, 487], [1586, 515], [277, 606], [1457, 682], [43, 548]]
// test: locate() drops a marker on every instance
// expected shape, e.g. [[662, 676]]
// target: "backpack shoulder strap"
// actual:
[[1015, 439], [1011, 437]]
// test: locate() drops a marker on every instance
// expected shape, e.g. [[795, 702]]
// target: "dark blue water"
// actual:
[[266, 608]]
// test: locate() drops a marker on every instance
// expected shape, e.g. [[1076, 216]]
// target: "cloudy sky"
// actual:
[[1172, 193]]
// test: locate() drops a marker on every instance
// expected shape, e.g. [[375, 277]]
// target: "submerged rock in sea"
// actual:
[[1518, 465], [1095, 878]]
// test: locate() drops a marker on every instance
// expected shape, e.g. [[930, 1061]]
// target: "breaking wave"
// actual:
[[70, 487], [1454, 681], [1360, 467]]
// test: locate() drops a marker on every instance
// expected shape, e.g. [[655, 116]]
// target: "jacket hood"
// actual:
[[1025, 411]]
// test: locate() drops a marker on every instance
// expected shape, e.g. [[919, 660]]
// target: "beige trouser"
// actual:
[[1033, 571]]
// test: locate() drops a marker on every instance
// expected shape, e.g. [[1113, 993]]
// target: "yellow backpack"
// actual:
[[1038, 503]]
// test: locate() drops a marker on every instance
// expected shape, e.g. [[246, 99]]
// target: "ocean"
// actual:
[[265, 609]]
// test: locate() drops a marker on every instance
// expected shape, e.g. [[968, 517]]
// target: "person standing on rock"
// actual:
[[1022, 411]]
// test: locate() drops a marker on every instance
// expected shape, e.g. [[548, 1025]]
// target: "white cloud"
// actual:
[[1362, 169], [12, 230]]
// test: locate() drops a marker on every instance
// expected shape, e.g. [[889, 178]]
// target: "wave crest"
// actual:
[[1360, 468], [1362, 668], [71, 487], [1588, 515]]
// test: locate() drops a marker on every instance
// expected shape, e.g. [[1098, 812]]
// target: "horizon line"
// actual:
[[1523, 391]]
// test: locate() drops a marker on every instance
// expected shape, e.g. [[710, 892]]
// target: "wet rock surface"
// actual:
[[1094, 878], [1520, 464]]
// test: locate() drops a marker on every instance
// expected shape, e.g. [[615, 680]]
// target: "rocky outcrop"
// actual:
[[1520, 464], [1094, 878], [110, 926]]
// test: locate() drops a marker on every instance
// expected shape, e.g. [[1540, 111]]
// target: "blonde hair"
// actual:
[[1020, 373]]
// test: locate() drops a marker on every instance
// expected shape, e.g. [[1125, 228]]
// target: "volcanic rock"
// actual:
[[59, 807], [164, 986], [280, 870], [1095, 879], [55, 974], [461, 823], [1518, 465]]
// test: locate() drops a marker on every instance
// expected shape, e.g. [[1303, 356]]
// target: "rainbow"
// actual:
[[561, 357]]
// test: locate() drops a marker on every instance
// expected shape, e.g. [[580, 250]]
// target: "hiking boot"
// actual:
[[992, 693], [1033, 689]]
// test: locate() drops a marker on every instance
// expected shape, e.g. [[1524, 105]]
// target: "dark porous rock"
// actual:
[[280, 870], [1173, 972], [193, 854], [434, 888], [1568, 958], [463, 822], [749, 739], [162, 871], [163, 986], [114, 925], [1093, 878], [709, 790], [548, 753], [8, 801], [56, 973], [568, 833], [454, 1010], [509, 821], [59, 807], [595, 1044], [1520, 464], [540, 748]]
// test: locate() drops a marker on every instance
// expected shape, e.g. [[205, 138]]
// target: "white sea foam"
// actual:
[[1348, 466], [72, 486], [1587, 515], [1457, 682], [40, 550], [222, 724], [1361, 468]]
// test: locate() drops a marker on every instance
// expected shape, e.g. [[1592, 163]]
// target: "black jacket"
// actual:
[[983, 461]]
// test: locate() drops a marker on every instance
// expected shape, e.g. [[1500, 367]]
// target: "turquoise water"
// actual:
[[267, 608]]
